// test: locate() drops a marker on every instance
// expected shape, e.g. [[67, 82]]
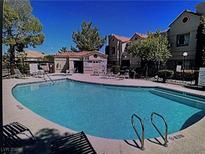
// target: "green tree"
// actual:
[[159, 46], [154, 48], [20, 64], [73, 49], [49, 58], [200, 53], [20, 28], [63, 49], [88, 38]]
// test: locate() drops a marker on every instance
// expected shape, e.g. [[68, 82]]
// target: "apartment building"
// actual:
[[182, 33], [118, 55], [182, 37]]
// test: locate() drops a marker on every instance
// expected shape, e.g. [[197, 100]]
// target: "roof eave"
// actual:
[[187, 11]]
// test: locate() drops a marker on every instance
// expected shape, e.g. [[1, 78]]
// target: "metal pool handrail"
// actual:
[[49, 78], [166, 128], [135, 130]]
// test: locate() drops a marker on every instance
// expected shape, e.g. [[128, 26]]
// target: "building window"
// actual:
[[95, 56], [185, 19], [113, 50], [183, 39]]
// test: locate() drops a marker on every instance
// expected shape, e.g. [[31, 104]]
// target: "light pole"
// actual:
[[185, 54]]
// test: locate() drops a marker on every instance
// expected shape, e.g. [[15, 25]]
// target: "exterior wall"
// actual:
[[61, 64], [123, 45], [71, 66], [178, 27], [119, 49], [88, 68], [113, 43], [135, 61], [92, 64]]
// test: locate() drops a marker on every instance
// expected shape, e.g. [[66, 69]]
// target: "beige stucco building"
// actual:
[[80, 62], [182, 37], [36, 57], [118, 55]]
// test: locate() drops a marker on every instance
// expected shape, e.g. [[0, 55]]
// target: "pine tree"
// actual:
[[88, 39]]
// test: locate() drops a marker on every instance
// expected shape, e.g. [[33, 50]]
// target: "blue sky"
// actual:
[[61, 18]]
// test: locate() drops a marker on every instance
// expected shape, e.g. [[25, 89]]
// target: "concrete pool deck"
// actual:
[[193, 140]]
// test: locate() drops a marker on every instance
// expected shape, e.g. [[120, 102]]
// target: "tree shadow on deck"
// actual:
[[155, 141], [134, 144], [44, 137]]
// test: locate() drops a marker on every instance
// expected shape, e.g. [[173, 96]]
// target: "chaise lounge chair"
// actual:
[[120, 76], [73, 144], [14, 135], [6, 73], [18, 74]]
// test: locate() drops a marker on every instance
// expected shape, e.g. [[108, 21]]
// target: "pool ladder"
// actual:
[[141, 139], [49, 78]]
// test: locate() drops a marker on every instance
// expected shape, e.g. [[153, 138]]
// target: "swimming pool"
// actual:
[[105, 111]]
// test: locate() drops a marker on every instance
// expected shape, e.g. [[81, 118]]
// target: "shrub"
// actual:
[[165, 74], [187, 75], [23, 68]]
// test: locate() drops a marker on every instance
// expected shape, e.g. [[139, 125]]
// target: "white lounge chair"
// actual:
[[119, 76], [35, 72], [6, 73]]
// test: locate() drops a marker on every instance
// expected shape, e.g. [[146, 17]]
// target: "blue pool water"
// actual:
[[105, 111]]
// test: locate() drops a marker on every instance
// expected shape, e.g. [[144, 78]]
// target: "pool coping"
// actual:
[[135, 86], [99, 139], [132, 86]]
